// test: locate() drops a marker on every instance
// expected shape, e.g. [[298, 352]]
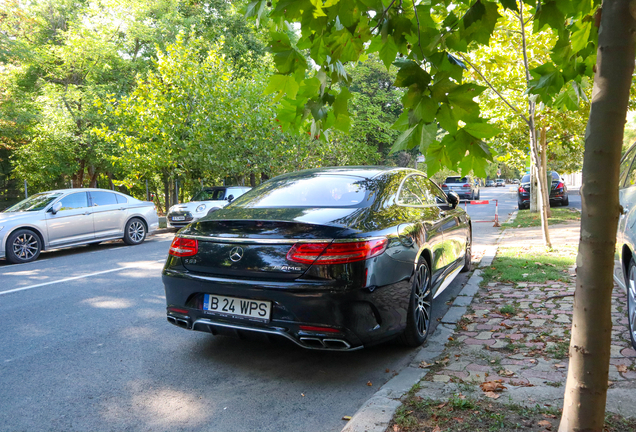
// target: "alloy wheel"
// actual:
[[136, 231], [422, 300], [25, 246]]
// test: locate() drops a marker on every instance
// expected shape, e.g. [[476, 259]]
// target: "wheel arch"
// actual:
[[36, 230], [137, 216]]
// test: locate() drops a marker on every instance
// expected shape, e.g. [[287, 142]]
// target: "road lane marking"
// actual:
[[70, 279]]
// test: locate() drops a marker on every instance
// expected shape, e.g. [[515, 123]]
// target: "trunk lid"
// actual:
[[256, 246]]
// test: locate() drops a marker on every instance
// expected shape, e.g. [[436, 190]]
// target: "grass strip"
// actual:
[[526, 219], [530, 264], [464, 414]]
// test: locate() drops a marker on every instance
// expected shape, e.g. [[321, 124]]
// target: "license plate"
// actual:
[[237, 307], [176, 218]]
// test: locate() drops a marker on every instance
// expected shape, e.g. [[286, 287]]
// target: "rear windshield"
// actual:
[[526, 179], [456, 180], [210, 195], [317, 191]]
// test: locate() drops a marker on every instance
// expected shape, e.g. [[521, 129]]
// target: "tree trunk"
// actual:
[[544, 171], [252, 179], [166, 191], [586, 387], [539, 192], [264, 177]]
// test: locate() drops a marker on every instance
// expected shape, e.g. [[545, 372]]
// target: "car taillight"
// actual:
[[336, 253], [444, 185], [560, 185], [521, 189], [466, 185], [184, 247]]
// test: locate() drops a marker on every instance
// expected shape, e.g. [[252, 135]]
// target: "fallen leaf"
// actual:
[[302, 394], [546, 424], [458, 419], [347, 418], [492, 361], [450, 338], [506, 372], [423, 364], [492, 386], [538, 263], [621, 368], [436, 429], [552, 416], [442, 405], [396, 428], [610, 383], [387, 370], [492, 395], [369, 383], [559, 366]]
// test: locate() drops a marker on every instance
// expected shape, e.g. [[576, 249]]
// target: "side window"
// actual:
[[74, 201], [103, 198], [625, 168], [429, 191], [121, 199], [410, 194], [438, 195]]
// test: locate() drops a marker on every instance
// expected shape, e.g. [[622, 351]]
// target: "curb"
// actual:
[[377, 412]]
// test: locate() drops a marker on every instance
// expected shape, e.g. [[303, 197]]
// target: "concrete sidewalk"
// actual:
[[526, 350]]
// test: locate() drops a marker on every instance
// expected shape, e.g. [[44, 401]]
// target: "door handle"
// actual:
[[122, 208], [87, 213]]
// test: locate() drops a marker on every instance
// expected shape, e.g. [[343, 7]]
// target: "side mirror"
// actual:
[[453, 199], [230, 198], [56, 207]]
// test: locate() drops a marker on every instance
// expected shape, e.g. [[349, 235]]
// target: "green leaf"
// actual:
[[581, 35], [474, 14], [340, 104], [426, 109], [411, 73], [482, 130], [446, 118], [480, 23], [510, 4], [437, 156], [402, 122], [549, 15], [403, 141], [284, 85], [428, 136], [388, 51]]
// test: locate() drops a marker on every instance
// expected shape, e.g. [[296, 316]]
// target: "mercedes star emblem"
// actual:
[[236, 254]]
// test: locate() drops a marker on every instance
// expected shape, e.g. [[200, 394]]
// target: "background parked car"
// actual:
[[558, 191], [466, 187], [625, 264], [500, 183], [490, 183], [70, 217], [331, 258], [208, 200]]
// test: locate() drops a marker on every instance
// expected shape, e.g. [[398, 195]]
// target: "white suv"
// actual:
[[206, 201]]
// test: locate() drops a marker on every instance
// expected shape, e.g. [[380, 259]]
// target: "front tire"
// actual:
[[418, 318], [631, 301], [135, 232], [23, 246]]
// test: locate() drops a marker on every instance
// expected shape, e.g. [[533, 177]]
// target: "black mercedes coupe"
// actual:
[[330, 258]]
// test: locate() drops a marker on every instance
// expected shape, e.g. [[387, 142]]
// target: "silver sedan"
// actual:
[[71, 217]]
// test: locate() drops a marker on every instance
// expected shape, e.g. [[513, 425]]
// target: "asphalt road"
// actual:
[[86, 346]]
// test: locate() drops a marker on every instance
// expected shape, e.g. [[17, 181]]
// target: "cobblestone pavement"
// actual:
[[527, 346]]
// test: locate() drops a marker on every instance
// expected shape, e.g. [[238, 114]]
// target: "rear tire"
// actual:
[[418, 317], [566, 201], [135, 232], [468, 257], [23, 246]]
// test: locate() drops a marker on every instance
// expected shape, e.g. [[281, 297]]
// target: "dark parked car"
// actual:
[[625, 264], [558, 191], [465, 187], [332, 258]]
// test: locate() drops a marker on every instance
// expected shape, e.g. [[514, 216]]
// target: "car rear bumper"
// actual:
[[357, 317]]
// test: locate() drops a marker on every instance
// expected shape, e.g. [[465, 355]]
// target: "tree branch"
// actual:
[[382, 17], [419, 33], [519, 113]]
